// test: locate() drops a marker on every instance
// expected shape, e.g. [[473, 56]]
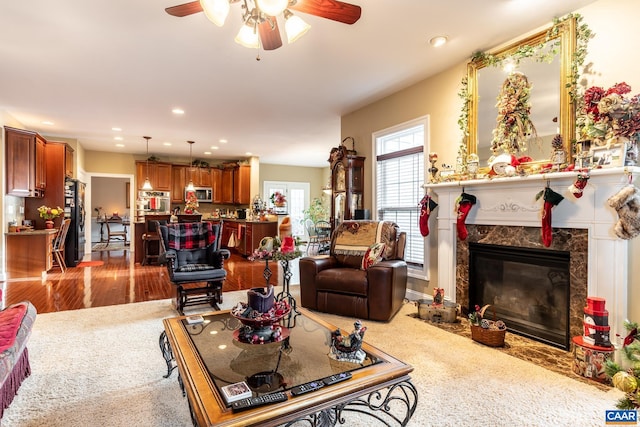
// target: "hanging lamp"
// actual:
[[190, 186], [147, 184]]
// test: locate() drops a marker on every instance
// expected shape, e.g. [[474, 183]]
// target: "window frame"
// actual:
[[412, 271]]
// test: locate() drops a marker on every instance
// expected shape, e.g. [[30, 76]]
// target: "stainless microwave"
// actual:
[[203, 194]]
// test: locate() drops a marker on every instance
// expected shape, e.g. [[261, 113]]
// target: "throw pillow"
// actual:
[[373, 255]]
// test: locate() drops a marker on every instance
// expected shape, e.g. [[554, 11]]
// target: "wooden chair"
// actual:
[[115, 236], [59, 243]]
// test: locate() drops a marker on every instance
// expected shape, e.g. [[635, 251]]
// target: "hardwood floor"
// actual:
[[118, 281]]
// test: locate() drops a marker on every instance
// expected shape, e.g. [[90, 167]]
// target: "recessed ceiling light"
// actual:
[[119, 145], [248, 153], [166, 144], [222, 141], [213, 147], [116, 129], [207, 152], [48, 123], [438, 41], [117, 138], [177, 111]]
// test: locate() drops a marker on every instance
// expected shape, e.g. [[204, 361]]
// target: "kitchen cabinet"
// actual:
[[216, 184], [242, 184], [159, 175], [68, 161], [26, 164], [30, 253], [178, 183], [55, 154], [248, 234], [347, 184], [227, 186]]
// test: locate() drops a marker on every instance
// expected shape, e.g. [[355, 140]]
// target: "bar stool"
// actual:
[[152, 235]]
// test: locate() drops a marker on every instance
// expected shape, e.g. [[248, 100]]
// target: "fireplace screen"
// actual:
[[528, 288]]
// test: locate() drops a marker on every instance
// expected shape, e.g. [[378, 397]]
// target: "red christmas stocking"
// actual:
[[464, 205], [551, 199], [427, 205], [577, 187]]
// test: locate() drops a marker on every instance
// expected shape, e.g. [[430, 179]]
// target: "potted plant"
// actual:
[[317, 211]]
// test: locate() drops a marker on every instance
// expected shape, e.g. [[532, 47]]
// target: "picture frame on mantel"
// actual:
[[608, 157]]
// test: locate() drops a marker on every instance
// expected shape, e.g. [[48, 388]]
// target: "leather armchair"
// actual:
[[192, 256], [337, 284]]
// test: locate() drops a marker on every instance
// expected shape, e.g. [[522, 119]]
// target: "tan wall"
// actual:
[[316, 177], [112, 163]]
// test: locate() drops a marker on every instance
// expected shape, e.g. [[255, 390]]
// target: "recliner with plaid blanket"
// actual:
[[195, 262]]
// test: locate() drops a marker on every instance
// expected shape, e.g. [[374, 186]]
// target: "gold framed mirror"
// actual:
[[548, 59]]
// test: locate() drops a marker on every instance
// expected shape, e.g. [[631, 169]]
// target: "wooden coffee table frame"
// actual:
[[382, 391]]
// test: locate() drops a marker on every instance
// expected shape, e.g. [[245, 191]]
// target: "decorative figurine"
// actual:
[[348, 349], [433, 170]]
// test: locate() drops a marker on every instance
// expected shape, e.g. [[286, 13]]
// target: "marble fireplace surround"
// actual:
[[507, 213]]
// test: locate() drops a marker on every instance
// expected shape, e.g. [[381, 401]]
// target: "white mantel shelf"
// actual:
[[511, 201]]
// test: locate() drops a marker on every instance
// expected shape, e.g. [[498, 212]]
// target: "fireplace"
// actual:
[[507, 213], [527, 288]]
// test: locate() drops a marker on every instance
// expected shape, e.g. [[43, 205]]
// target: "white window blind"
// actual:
[[399, 179]]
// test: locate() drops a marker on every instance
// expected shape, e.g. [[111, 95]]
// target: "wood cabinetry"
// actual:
[[347, 184], [68, 161], [216, 184], [247, 234], [159, 175], [227, 186], [242, 185], [29, 254], [56, 154], [178, 183], [26, 165]]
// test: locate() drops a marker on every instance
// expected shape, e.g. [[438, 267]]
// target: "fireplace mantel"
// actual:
[[512, 202]]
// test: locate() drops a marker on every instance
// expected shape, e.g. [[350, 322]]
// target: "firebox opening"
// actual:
[[528, 289]]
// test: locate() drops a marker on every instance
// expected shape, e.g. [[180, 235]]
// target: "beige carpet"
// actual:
[[102, 367]]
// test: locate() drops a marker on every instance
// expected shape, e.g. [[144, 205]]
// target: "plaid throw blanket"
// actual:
[[190, 235]]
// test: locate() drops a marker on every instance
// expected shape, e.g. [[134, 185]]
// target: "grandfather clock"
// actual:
[[347, 184]]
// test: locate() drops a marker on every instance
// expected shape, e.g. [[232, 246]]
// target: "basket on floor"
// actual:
[[491, 336]]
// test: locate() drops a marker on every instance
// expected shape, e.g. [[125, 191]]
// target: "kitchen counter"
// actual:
[[29, 253]]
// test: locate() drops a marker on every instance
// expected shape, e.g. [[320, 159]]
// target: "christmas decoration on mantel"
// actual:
[[627, 204], [464, 203], [551, 199], [427, 205], [625, 373]]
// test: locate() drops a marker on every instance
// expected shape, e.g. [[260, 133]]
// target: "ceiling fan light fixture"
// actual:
[[272, 7], [216, 10], [147, 184], [294, 26], [248, 37]]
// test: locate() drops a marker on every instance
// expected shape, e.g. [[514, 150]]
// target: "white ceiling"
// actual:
[[88, 66]]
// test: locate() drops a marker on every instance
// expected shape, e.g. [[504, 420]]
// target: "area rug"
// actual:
[[113, 246], [90, 264], [102, 366]]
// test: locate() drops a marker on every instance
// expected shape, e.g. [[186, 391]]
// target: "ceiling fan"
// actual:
[[260, 20]]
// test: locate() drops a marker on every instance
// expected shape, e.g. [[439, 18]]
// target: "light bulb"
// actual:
[[272, 7], [215, 10], [248, 37], [294, 26]]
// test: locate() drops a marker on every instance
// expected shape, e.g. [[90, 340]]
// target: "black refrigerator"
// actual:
[[74, 208]]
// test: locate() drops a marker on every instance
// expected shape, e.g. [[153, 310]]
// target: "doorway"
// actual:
[[297, 196]]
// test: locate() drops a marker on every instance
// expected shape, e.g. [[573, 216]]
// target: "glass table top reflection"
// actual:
[[300, 358]]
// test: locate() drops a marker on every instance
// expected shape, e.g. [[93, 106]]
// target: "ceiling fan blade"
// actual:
[[184, 9], [269, 36], [330, 9]]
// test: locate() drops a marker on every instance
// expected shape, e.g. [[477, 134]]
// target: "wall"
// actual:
[[609, 61], [111, 163], [109, 195]]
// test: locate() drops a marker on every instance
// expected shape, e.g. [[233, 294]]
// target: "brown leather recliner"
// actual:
[[337, 284]]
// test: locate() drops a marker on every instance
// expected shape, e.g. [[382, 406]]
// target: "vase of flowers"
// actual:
[[278, 199], [49, 214]]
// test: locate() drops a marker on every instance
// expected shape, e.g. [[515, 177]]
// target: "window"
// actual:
[[297, 195], [399, 172]]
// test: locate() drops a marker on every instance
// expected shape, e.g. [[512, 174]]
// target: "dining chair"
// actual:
[[115, 236], [59, 243]]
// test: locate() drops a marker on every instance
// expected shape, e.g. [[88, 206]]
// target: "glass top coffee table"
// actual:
[[209, 356]]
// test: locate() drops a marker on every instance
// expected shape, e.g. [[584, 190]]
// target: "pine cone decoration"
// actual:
[[556, 142]]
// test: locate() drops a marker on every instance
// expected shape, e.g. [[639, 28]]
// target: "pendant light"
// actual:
[[190, 186], [147, 184]]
